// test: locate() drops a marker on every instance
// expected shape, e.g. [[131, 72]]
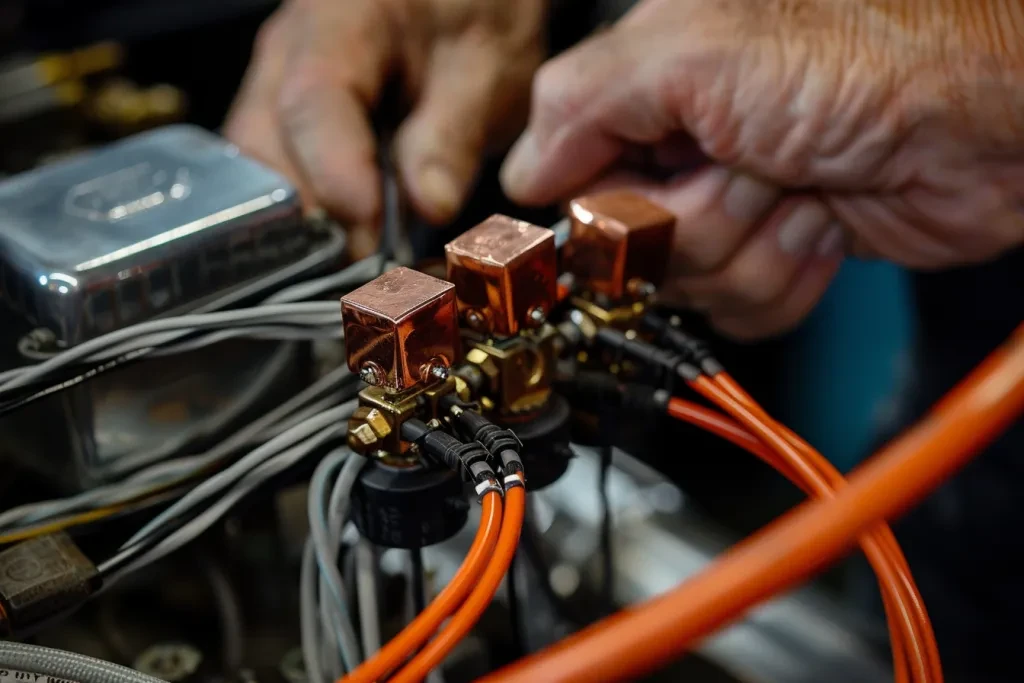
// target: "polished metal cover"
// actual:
[[157, 221]]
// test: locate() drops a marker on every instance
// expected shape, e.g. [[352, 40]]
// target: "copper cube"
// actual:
[[400, 328], [617, 237], [505, 274]]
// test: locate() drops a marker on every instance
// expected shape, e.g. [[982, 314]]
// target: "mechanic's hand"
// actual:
[[319, 68], [888, 128]]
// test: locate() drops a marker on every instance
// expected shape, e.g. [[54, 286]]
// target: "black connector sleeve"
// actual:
[[468, 459], [41, 578], [499, 442], [692, 350], [668, 362], [598, 392]]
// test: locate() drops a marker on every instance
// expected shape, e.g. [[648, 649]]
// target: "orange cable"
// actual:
[[726, 428], [463, 620], [420, 629], [909, 645], [801, 542], [885, 536]]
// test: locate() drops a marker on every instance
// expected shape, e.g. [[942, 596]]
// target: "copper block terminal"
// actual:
[[619, 244], [401, 329], [505, 273]]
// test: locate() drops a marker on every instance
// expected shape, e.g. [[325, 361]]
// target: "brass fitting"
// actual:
[[375, 428], [517, 372]]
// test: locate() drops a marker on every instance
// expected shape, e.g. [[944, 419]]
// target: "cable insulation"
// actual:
[[800, 543]]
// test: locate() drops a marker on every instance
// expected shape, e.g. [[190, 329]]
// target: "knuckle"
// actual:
[[302, 86], [695, 253], [754, 285], [552, 91]]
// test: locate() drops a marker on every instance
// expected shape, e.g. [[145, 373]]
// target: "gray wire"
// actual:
[[366, 591], [172, 470], [229, 610], [217, 510], [356, 273], [66, 666], [162, 348], [281, 313], [301, 416], [337, 514], [327, 254], [360, 271], [221, 480], [309, 621], [260, 332], [216, 423], [332, 588]]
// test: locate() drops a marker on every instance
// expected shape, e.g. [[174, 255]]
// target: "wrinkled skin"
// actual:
[[784, 134], [817, 128], [320, 68]]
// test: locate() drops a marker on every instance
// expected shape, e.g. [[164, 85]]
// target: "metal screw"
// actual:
[[640, 288], [474, 319], [537, 315], [435, 370], [371, 373]]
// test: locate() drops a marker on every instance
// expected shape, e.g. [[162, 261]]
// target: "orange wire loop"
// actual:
[[466, 617], [420, 629], [800, 543]]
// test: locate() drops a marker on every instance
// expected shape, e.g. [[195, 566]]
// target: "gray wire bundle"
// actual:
[[324, 599], [321, 320], [317, 397], [287, 314], [260, 465]]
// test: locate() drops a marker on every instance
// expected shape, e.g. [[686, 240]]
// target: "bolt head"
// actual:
[[434, 371], [537, 316], [475, 320], [371, 373], [378, 423]]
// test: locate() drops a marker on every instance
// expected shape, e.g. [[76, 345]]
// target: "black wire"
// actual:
[[607, 559], [514, 614], [419, 598]]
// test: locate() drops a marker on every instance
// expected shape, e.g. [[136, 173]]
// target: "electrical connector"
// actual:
[[600, 392], [468, 459], [693, 350], [499, 442], [41, 578], [668, 362]]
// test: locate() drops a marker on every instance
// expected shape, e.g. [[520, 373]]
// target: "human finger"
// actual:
[[341, 57]]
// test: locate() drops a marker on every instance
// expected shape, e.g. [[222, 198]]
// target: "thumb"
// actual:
[[439, 146], [589, 105]]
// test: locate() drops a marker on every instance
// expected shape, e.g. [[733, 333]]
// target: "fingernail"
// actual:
[[831, 242], [519, 165], [801, 230], [746, 198], [439, 189]]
